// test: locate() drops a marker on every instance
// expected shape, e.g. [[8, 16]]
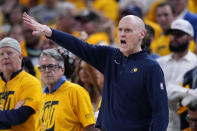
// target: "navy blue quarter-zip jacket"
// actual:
[[134, 94]]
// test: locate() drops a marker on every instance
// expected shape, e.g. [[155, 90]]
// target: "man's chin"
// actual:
[[123, 50], [7, 69]]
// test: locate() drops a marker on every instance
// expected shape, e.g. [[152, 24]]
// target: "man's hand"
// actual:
[[19, 104], [37, 28], [91, 128], [190, 97], [176, 92]]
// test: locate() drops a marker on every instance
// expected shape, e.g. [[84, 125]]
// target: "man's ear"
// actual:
[[21, 56], [190, 38], [63, 69], [142, 34]]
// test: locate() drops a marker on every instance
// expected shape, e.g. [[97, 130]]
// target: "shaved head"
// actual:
[[137, 22], [131, 31]]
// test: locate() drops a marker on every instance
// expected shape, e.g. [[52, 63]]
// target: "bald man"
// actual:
[[134, 95]]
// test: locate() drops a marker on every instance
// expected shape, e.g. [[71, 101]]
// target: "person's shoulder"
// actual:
[[191, 17], [151, 64], [148, 63], [155, 56], [73, 87], [192, 56], [29, 79], [190, 72], [28, 76], [190, 14], [164, 59]]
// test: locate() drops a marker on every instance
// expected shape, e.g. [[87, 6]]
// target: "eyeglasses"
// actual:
[[191, 119], [50, 67]]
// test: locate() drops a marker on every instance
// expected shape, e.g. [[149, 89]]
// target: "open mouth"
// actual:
[[122, 42]]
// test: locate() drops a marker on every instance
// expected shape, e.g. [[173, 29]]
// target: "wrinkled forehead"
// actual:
[[7, 48], [131, 22], [46, 59]]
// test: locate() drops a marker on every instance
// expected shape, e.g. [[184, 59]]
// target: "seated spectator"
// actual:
[[65, 105], [175, 65], [45, 12], [20, 92], [90, 22], [192, 116], [147, 41], [87, 79], [16, 32]]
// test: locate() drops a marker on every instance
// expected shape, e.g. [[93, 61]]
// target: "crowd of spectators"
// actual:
[[96, 21]]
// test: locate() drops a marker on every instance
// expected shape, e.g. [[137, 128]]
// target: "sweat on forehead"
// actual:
[[136, 20]]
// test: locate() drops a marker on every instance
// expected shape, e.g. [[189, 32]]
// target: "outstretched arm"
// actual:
[[90, 53], [37, 28]]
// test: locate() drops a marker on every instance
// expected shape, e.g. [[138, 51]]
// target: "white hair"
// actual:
[[64, 7]]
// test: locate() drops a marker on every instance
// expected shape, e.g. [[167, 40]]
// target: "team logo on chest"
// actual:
[[48, 116], [133, 70], [161, 86]]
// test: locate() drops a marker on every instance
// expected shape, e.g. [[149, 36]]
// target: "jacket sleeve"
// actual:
[[158, 98], [15, 116], [4, 126], [96, 55]]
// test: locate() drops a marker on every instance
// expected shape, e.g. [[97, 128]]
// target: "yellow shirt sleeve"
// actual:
[[83, 107], [31, 92]]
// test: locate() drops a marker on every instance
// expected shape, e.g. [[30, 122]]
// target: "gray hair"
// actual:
[[54, 54], [63, 8]]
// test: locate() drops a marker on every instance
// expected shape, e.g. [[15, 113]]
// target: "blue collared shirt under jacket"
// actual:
[[134, 94]]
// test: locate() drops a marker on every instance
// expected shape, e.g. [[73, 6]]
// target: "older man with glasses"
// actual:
[[65, 106]]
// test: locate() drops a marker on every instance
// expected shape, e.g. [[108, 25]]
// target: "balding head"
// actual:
[[131, 31], [137, 22]]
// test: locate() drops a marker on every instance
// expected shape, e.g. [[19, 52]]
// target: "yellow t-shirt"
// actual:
[[27, 2], [161, 45], [157, 29], [151, 14], [22, 87], [188, 129], [67, 109], [23, 49], [108, 7], [97, 38], [192, 4]]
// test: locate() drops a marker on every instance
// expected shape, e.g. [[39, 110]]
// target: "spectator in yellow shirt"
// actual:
[[20, 92], [65, 105]]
